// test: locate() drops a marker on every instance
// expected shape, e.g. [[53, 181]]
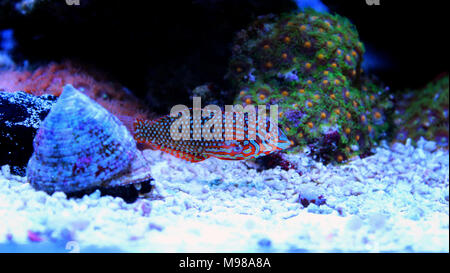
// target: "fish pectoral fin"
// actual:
[[197, 158]]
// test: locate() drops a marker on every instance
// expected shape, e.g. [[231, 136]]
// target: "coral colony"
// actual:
[[310, 65], [424, 115]]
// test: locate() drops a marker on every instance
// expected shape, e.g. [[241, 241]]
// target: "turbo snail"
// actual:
[[81, 146]]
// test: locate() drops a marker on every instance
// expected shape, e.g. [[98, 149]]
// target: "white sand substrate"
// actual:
[[396, 200]]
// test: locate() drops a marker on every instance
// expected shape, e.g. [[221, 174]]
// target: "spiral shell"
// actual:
[[80, 145]]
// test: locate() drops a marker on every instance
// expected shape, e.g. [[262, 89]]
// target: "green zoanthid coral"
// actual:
[[310, 65], [424, 113]]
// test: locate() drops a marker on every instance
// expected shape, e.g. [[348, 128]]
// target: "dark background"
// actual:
[[161, 48], [412, 37]]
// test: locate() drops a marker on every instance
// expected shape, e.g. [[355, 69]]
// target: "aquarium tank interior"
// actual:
[[226, 127]]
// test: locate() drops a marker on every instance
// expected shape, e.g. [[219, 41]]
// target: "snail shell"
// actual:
[[80, 145]]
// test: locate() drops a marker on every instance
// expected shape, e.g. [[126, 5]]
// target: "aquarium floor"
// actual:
[[396, 200]]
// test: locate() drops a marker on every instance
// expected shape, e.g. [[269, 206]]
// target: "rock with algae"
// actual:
[[21, 115], [310, 65], [51, 79]]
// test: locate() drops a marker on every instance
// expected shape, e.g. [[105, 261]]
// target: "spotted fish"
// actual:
[[156, 133]]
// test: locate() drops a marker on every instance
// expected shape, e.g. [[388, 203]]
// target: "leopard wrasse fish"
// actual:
[[157, 134]]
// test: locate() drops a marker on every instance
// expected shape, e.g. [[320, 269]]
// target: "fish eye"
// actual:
[[238, 148]]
